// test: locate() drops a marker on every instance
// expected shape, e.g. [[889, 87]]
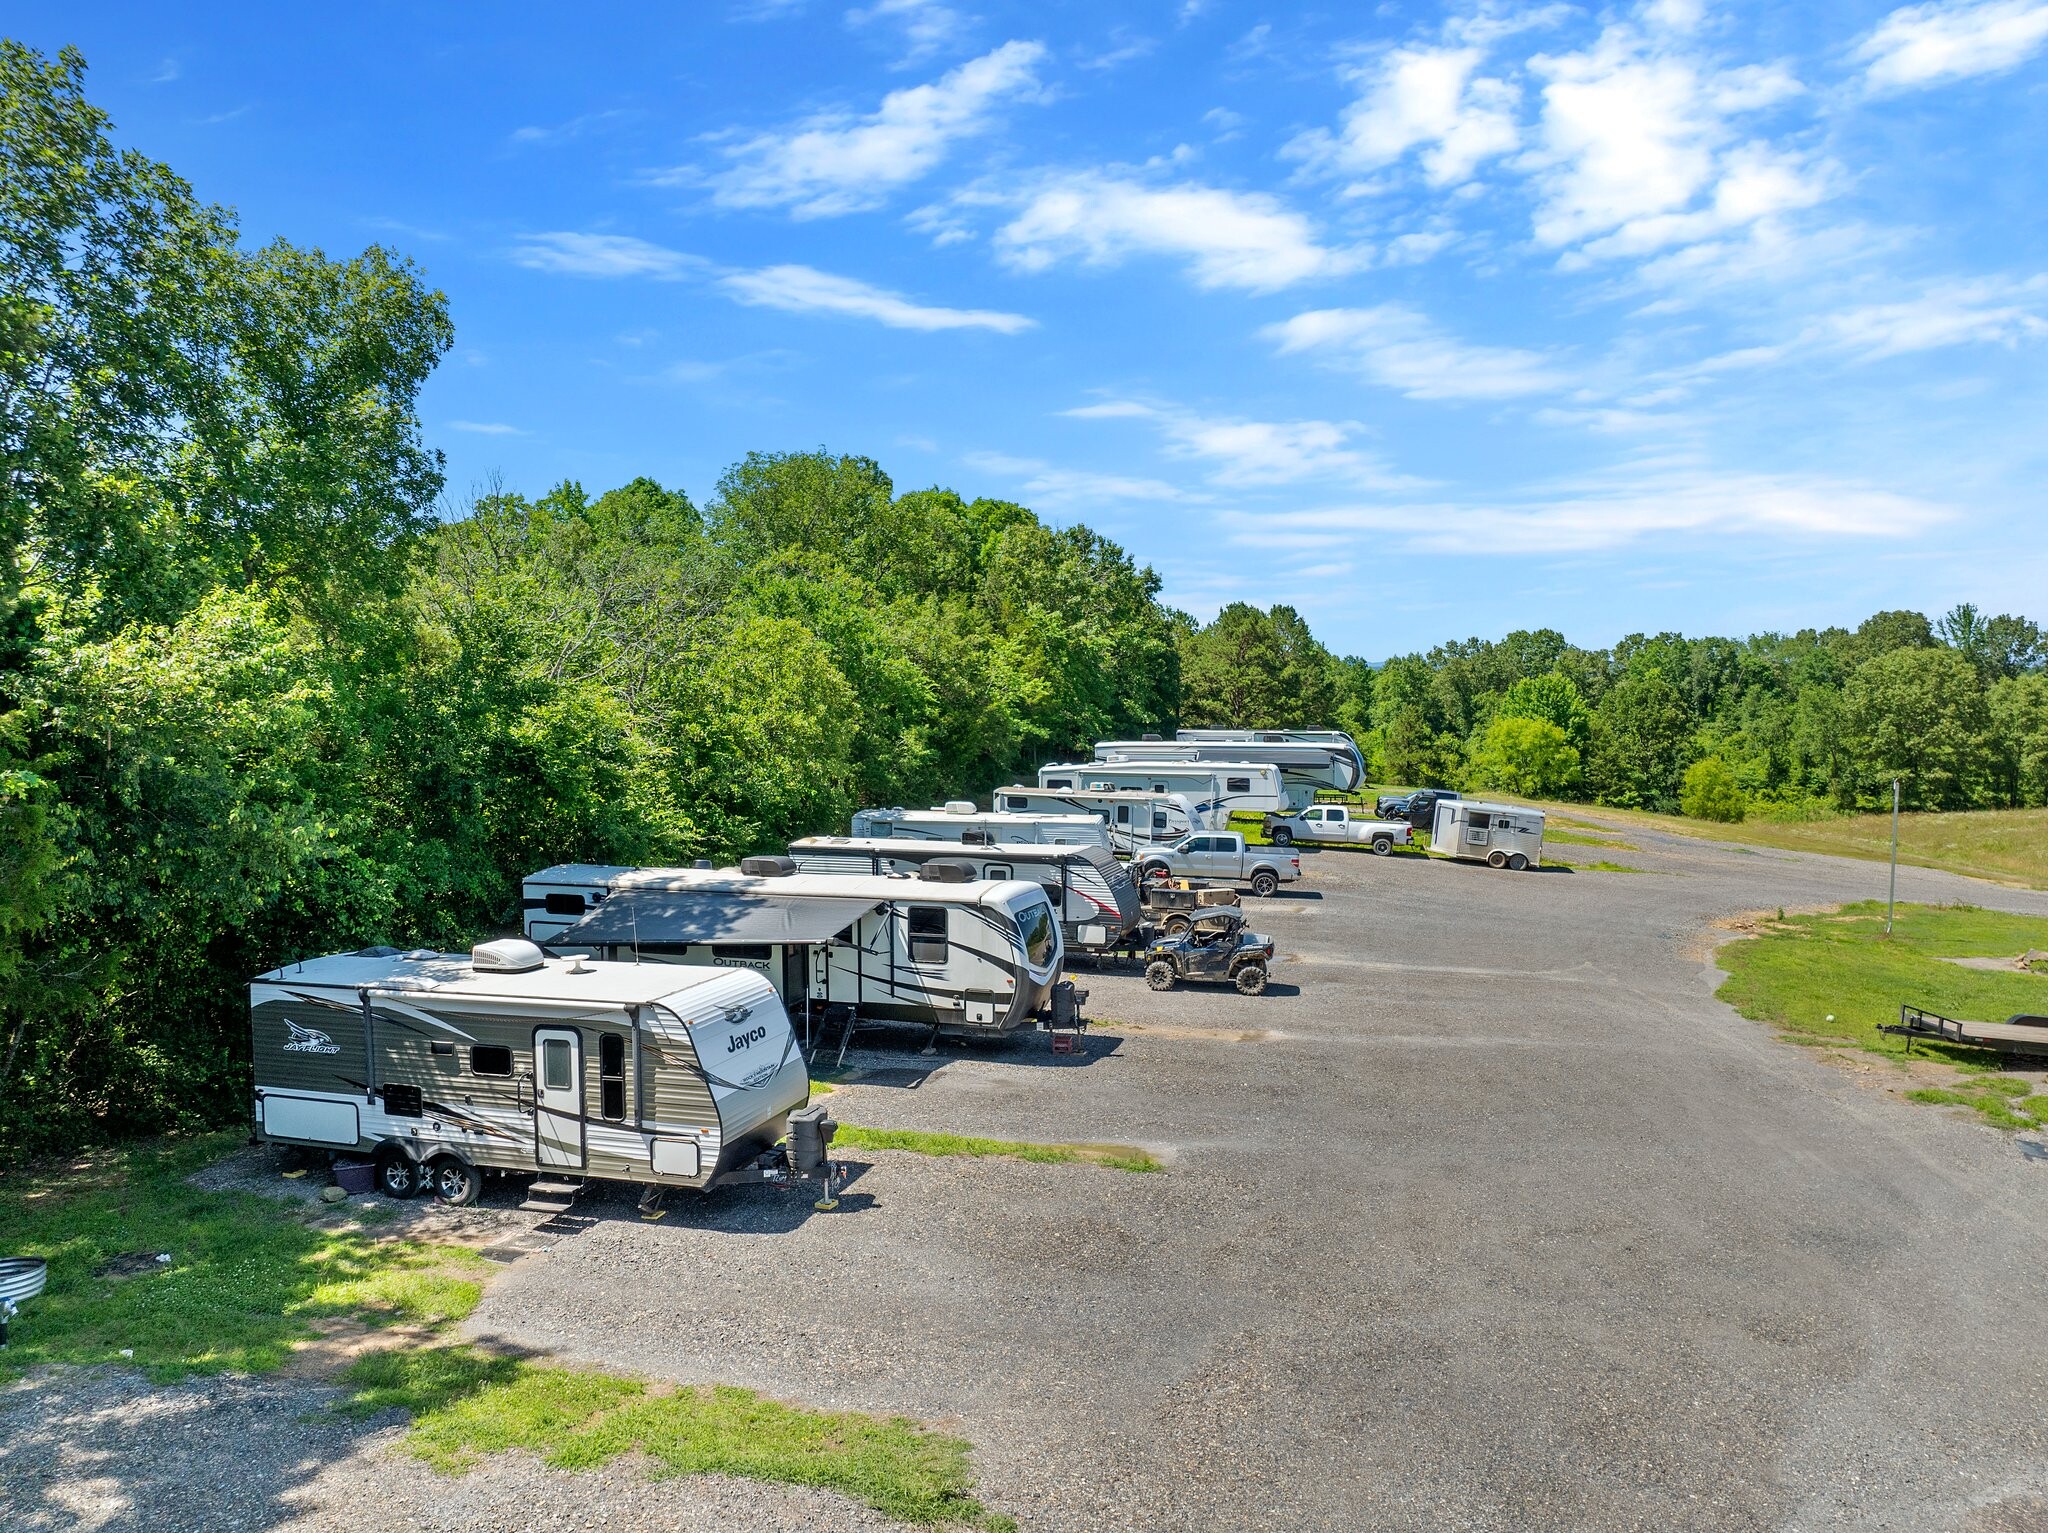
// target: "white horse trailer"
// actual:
[[962, 819], [440, 1065], [1305, 766], [1500, 835], [1134, 819], [1215, 790], [1094, 894], [975, 956]]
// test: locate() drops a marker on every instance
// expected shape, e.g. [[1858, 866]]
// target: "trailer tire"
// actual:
[[1176, 926], [1282, 836], [1497, 860], [455, 1182], [1382, 846], [1517, 863], [1251, 979], [1159, 975], [398, 1174], [1265, 882]]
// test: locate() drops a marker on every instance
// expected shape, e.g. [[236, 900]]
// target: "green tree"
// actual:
[[1553, 697], [1918, 715], [1710, 792], [1640, 742], [1528, 757], [2018, 707]]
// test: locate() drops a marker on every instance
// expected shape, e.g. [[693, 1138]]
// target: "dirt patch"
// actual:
[[132, 1264], [1745, 923], [1172, 1030]]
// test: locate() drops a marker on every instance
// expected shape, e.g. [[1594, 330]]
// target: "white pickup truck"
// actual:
[[1333, 822], [1221, 855]]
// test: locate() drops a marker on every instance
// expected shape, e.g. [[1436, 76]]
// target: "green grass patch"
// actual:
[[1120, 1157], [466, 1403], [821, 1088], [1603, 867], [1990, 1105], [1554, 832], [245, 1278], [1803, 968]]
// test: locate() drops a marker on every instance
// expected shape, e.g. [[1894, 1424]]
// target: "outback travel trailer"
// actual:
[[440, 1065], [1215, 790], [1092, 893], [1134, 819], [939, 950], [961, 819], [1305, 766], [1501, 835]]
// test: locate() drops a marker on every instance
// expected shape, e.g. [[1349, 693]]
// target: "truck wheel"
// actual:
[[1497, 860], [1517, 862], [1159, 975], [1282, 836], [455, 1182], [398, 1176], [1158, 872], [1175, 926], [1264, 883], [1382, 845], [1251, 979]]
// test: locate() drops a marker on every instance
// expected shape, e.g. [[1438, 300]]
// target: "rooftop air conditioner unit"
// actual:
[[768, 867], [960, 806], [507, 955], [948, 870]]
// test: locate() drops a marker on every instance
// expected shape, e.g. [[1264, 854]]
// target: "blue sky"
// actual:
[[1433, 321]]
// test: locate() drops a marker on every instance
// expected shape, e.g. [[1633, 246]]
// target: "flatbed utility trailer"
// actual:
[[2023, 1033]]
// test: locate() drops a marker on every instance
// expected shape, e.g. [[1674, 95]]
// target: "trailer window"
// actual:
[[927, 933], [1016, 801], [1237, 785], [1159, 787], [1159, 819], [1480, 821], [1037, 930], [997, 870], [611, 1076], [1059, 782], [488, 1059], [564, 904], [554, 1062], [1123, 814]]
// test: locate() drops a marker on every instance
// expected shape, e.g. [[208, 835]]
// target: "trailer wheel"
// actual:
[[1382, 846], [398, 1175], [455, 1182], [1497, 860], [1517, 863], [1251, 979], [1265, 882], [1159, 975], [1175, 926], [1282, 836]]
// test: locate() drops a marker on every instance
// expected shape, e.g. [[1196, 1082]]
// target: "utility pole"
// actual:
[[1892, 898]]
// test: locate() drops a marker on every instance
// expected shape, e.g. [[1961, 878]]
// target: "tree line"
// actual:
[[264, 693]]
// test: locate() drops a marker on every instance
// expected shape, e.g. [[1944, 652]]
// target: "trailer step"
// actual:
[[549, 1195]]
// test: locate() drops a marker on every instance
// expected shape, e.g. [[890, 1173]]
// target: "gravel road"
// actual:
[[1486, 1216]]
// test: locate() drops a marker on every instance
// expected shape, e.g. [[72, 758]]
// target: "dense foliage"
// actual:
[[263, 695]]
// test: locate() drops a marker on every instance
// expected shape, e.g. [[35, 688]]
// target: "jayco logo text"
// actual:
[[745, 1040]]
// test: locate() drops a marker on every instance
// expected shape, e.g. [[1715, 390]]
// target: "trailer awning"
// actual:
[[675, 918]]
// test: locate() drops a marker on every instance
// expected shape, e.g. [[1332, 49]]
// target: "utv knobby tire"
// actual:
[[1159, 975], [454, 1182], [1264, 884], [1250, 980], [398, 1174]]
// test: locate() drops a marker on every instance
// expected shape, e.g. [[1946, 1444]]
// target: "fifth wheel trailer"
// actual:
[[503, 1058], [1093, 893], [1215, 789], [1306, 766], [980, 956], [1134, 820]]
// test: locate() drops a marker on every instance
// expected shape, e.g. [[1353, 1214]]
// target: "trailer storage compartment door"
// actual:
[[311, 1119]]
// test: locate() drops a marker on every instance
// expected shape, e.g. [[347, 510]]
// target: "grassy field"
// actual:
[[245, 1278], [1832, 978], [2006, 844], [466, 1403]]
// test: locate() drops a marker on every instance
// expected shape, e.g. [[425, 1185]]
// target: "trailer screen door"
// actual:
[[558, 1096]]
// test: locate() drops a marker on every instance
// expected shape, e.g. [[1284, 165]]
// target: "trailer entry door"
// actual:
[[558, 1096]]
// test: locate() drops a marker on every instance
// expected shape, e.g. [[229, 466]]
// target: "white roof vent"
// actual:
[[508, 955], [960, 806]]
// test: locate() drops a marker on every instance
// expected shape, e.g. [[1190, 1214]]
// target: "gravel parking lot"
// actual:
[[1487, 1215]]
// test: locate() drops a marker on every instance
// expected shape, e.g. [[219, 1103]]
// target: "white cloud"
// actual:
[[1918, 46], [602, 255], [1958, 315], [1245, 452], [1059, 486], [1420, 98], [1580, 520], [927, 25], [565, 132], [485, 428], [803, 290], [1638, 151], [1397, 347], [834, 163], [1229, 239]]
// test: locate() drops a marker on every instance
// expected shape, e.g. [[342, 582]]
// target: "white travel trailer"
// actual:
[[1093, 894], [977, 955], [1305, 766], [1500, 835], [440, 1065], [962, 819], [1134, 819], [1215, 790]]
